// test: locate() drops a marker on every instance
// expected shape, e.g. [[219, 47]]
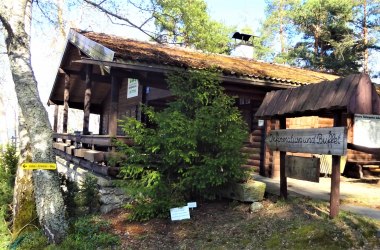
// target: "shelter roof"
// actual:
[[158, 54], [354, 94]]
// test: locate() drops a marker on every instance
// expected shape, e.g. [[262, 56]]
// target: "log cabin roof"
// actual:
[[354, 94], [159, 54], [149, 62]]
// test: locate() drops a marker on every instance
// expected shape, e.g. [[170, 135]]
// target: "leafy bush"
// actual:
[[85, 233], [8, 167], [191, 148], [88, 233], [76, 198]]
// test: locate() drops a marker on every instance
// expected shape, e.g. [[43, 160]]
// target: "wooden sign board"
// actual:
[[328, 141], [302, 168]]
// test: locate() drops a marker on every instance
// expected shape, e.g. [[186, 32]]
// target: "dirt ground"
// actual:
[[223, 224]]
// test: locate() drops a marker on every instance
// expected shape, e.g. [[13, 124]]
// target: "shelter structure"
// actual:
[[111, 76], [338, 100]]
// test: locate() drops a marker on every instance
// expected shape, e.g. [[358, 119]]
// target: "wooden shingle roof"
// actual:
[[129, 50], [354, 94]]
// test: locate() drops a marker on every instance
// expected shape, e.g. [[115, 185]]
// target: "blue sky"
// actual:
[[237, 12]]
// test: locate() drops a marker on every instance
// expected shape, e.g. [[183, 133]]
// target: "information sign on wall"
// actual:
[[367, 130], [328, 141], [133, 88]]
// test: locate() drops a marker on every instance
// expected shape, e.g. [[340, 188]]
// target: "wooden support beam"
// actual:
[[101, 120], [55, 124], [87, 100], [66, 97], [283, 180], [263, 158], [335, 175], [112, 121]]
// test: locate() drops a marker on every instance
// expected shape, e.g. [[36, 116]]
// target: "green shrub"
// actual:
[[80, 200], [8, 168], [88, 233], [191, 148]]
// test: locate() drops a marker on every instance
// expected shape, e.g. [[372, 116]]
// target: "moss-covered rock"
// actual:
[[250, 191]]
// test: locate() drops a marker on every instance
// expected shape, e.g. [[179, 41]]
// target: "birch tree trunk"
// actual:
[[24, 205], [15, 15]]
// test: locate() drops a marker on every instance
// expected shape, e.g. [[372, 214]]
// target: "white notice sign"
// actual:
[[367, 131], [327, 141], [192, 204], [180, 213], [133, 88]]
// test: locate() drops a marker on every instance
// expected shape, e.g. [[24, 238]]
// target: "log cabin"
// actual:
[[111, 76]]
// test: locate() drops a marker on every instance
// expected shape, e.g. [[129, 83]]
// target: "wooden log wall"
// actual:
[[128, 107]]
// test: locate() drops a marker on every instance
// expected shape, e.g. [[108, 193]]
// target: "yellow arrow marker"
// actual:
[[46, 166]]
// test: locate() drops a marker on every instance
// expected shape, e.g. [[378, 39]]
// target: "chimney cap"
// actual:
[[242, 36]]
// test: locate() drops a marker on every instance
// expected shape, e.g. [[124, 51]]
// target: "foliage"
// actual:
[[80, 198], [329, 42], [8, 167], [191, 149], [187, 22], [89, 193], [323, 35], [89, 233], [84, 233], [276, 29]]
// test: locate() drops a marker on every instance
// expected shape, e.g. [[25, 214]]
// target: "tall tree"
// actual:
[[15, 16], [329, 43], [277, 28], [367, 22]]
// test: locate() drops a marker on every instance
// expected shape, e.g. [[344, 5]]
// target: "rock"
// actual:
[[250, 191], [378, 233], [108, 208], [256, 206]]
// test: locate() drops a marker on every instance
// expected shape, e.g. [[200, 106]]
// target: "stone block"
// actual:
[[108, 208], [79, 152], [70, 150], [94, 156], [60, 146], [250, 191]]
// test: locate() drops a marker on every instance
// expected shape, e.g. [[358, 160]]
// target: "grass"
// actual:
[[89, 232]]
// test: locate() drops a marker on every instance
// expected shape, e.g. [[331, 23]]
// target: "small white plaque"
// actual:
[[180, 213], [133, 88], [260, 123], [192, 204]]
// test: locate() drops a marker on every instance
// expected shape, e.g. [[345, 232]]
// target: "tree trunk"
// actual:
[[365, 37], [24, 206], [16, 17]]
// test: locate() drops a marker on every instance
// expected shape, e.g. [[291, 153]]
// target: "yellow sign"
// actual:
[[46, 166]]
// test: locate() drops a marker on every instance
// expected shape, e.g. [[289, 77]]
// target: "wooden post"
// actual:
[[144, 102], [66, 96], [112, 122], [263, 171], [335, 175], [101, 120], [87, 100], [55, 124], [283, 181]]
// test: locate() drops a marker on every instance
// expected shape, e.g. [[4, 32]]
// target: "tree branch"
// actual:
[[120, 18], [8, 28]]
